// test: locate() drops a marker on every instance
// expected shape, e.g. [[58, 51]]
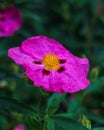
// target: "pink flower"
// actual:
[[10, 21], [19, 127], [49, 65]]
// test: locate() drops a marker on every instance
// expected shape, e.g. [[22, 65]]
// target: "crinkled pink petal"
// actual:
[[35, 74], [42, 80], [74, 85], [63, 82], [19, 127], [77, 73], [78, 67], [36, 46], [41, 45], [38, 77], [19, 56], [56, 82], [83, 64], [10, 22]]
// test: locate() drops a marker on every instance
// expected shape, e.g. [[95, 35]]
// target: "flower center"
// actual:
[[51, 62]]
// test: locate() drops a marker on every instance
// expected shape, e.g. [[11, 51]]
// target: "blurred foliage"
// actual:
[[79, 26]]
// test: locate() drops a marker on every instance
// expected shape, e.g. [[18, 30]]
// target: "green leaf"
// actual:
[[33, 123], [15, 105], [68, 124], [53, 103], [95, 86], [50, 124], [100, 128]]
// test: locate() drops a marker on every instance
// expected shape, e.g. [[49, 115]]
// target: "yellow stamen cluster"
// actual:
[[51, 62]]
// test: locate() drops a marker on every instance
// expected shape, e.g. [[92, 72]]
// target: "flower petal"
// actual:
[[73, 85], [41, 45], [56, 82], [13, 15], [5, 30], [10, 22], [66, 83], [19, 56], [36, 46], [83, 64], [77, 75], [35, 73]]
